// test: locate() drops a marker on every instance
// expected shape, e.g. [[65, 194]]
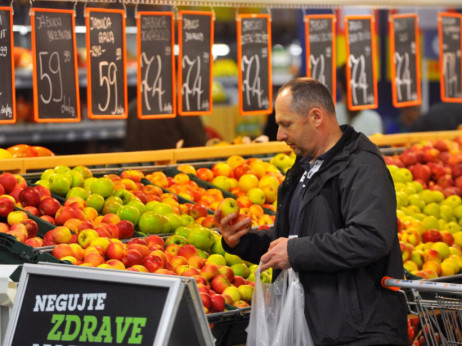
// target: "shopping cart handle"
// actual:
[[388, 283]]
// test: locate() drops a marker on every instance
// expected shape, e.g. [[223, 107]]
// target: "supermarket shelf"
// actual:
[[34, 133], [174, 156]]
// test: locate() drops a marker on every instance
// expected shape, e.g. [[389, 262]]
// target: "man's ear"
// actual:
[[315, 116]]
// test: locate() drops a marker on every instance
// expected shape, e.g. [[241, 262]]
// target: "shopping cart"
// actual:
[[438, 306]]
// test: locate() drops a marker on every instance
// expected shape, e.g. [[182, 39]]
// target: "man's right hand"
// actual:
[[231, 230]]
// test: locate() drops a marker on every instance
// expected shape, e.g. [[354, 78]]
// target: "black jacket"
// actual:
[[347, 242]]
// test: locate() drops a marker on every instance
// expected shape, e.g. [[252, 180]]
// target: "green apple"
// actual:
[[95, 201], [138, 205], [162, 208], [175, 239], [183, 231], [130, 213], [88, 182], [246, 292], [45, 183], [62, 169], [59, 184], [217, 259], [240, 269], [150, 205], [228, 205], [232, 259], [110, 207], [85, 171], [152, 223], [186, 219], [102, 186], [77, 179], [217, 247], [47, 174], [201, 238], [77, 191], [124, 195], [174, 220]]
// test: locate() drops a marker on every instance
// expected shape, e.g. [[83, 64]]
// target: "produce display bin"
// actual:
[[228, 327], [14, 252]]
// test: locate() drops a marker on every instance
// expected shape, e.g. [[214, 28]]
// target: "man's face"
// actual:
[[294, 129]]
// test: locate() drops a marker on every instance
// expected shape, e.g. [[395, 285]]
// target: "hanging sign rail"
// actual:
[[288, 3]]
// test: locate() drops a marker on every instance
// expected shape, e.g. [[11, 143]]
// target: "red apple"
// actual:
[[154, 242], [421, 172], [219, 283], [29, 196], [126, 229], [132, 257], [153, 263], [198, 210], [218, 303], [8, 181], [32, 210], [32, 227], [6, 206], [431, 235], [187, 251], [49, 206]]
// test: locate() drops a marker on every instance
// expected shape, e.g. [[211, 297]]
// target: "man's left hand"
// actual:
[[277, 255]]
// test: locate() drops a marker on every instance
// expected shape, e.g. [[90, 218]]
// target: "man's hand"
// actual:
[[231, 230], [277, 255]]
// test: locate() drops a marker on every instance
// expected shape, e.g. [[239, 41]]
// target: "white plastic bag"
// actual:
[[277, 317]]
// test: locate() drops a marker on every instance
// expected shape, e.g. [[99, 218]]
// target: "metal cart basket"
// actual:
[[438, 306]]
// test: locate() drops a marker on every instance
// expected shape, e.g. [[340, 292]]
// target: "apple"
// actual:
[[4, 227], [49, 206], [153, 263], [114, 264], [198, 210], [126, 229], [86, 236], [201, 237], [154, 242], [65, 213], [222, 168], [206, 300], [241, 304], [232, 292], [197, 261], [102, 186], [32, 227], [172, 249], [246, 292], [143, 249], [132, 257], [205, 174], [431, 235], [16, 216], [61, 234], [219, 283], [187, 251], [34, 242], [175, 239], [130, 213], [422, 172], [6, 205], [256, 195], [209, 271], [138, 268], [116, 251], [228, 205], [62, 250], [8, 181], [227, 271], [150, 222]]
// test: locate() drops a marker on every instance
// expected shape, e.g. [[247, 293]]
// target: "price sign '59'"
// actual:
[[56, 89], [106, 67]]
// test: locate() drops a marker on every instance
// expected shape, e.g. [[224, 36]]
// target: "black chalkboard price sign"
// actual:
[[320, 49], [7, 90], [156, 65], [106, 64], [361, 64], [449, 30], [405, 60], [195, 39], [55, 77], [72, 305], [254, 61]]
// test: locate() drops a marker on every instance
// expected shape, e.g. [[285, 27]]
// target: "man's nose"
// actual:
[[281, 135]]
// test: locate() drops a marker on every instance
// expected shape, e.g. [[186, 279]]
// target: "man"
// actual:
[[335, 224]]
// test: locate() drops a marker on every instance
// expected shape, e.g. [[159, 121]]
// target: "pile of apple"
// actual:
[[19, 226], [430, 227], [436, 164], [220, 277]]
